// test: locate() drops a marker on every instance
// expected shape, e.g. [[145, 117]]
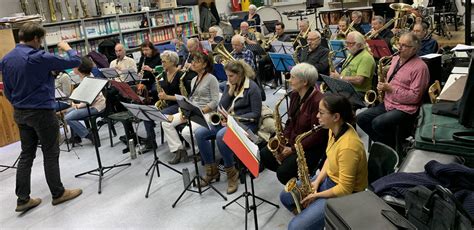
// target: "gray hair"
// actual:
[[305, 72], [252, 7], [415, 41], [305, 21], [357, 13], [379, 19], [239, 38], [358, 38], [171, 56]]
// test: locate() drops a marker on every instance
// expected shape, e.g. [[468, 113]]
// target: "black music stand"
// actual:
[[193, 113], [87, 92], [344, 88], [6, 167], [150, 113], [379, 48], [60, 95], [238, 142]]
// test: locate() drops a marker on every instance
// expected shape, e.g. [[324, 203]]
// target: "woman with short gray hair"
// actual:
[[304, 105], [253, 19]]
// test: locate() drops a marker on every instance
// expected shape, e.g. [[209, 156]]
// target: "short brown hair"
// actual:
[[150, 45], [30, 30], [206, 58], [86, 66], [280, 24]]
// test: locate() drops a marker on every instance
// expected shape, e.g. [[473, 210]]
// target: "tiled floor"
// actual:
[[122, 204]]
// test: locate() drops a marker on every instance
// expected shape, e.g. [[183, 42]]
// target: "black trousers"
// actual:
[[38, 126], [288, 168]]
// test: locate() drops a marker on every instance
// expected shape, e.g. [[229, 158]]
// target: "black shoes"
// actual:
[[75, 140], [90, 136]]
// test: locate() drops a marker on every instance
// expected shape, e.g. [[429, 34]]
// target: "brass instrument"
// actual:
[[60, 10], [401, 16], [221, 55], [433, 91], [160, 104], [39, 8], [299, 192], [295, 54], [276, 143], [305, 34], [266, 45], [52, 11], [216, 118], [85, 12], [382, 68], [349, 29], [371, 35], [69, 11]]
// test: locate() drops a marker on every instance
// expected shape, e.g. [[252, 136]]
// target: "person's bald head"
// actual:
[[192, 44], [314, 39], [120, 51], [303, 25]]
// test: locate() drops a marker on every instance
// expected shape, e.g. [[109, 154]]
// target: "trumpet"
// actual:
[[266, 45], [305, 34]]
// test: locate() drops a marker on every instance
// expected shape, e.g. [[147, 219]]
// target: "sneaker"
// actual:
[[68, 194], [91, 138], [33, 202]]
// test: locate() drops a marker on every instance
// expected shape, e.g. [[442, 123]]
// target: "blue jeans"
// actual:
[[312, 217], [73, 118], [150, 125], [203, 136], [60, 105]]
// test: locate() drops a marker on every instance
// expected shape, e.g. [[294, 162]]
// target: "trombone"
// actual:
[[305, 34]]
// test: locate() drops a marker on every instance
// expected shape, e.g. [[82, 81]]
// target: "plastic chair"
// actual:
[[382, 161]]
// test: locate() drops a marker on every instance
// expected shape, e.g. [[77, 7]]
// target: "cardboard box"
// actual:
[[164, 4]]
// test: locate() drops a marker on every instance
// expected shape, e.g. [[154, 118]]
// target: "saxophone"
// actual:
[[160, 104], [85, 12], [52, 11], [60, 10], [382, 68], [295, 54], [299, 192], [182, 88], [276, 143], [69, 10]]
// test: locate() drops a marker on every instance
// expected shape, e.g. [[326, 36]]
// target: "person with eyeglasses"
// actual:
[[315, 54], [406, 83], [358, 68]]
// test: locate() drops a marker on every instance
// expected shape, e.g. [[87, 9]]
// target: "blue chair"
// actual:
[[164, 47], [219, 72]]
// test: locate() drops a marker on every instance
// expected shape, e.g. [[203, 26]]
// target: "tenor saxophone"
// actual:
[[52, 11], [295, 54], [276, 143], [69, 10], [299, 192], [160, 104]]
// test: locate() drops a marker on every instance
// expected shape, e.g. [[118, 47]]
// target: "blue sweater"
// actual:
[[27, 76], [428, 46]]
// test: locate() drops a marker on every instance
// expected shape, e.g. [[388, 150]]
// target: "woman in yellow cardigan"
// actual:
[[344, 171]]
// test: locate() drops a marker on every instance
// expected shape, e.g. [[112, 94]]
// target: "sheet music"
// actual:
[[128, 75], [88, 90], [454, 88], [461, 70], [431, 56], [186, 104], [152, 113], [109, 72], [283, 47], [206, 45], [58, 94], [239, 131], [462, 47]]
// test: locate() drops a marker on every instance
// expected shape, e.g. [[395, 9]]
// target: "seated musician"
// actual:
[[169, 83], [304, 104], [122, 62], [250, 37], [193, 46], [428, 44], [79, 111], [240, 51], [180, 43], [358, 68], [204, 93], [303, 27], [344, 171], [266, 60], [214, 36], [148, 61], [315, 54], [342, 27], [241, 99], [62, 82], [386, 34], [356, 17], [253, 19], [407, 81]]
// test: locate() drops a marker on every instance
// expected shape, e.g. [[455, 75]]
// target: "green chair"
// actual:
[[382, 161]]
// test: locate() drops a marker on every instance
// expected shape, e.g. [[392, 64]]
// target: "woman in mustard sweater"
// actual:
[[344, 171]]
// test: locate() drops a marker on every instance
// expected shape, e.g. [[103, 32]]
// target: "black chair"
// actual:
[[382, 161]]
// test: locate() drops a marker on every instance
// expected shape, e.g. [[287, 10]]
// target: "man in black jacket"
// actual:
[[315, 54]]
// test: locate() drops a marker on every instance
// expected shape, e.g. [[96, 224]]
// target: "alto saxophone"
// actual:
[[299, 192], [295, 54], [85, 12], [276, 143], [69, 10], [52, 11], [160, 104], [382, 68]]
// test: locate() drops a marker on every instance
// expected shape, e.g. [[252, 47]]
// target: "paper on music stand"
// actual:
[[146, 112], [379, 48], [88, 90], [196, 113], [338, 46], [129, 75], [236, 139], [460, 70], [206, 45], [343, 88], [283, 47], [430, 56], [462, 47], [454, 88], [109, 72], [58, 94], [126, 91]]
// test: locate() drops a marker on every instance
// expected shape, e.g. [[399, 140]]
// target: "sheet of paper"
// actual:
[[431, 56], [462, 47], [251, 147], [462, 70]]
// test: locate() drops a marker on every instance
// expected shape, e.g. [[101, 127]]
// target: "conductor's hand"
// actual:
[[64, 46]]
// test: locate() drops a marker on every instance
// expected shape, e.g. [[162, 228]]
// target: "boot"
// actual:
[[177, 157], [150, 145], [212, 173], [232, 179]]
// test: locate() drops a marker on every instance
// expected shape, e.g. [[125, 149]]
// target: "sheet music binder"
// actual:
[[236, 139], [88, 90], [344, 88], [282, 62], [379, 48], [126, 91]]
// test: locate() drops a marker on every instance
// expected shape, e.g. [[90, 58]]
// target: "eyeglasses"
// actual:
[[350, 43], [404, 46]]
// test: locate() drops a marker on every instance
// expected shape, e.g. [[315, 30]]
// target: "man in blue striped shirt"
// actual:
[[29, 86]]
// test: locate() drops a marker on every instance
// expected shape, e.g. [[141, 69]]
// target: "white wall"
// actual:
[[10, 7]]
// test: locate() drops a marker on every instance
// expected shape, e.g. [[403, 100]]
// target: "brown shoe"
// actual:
[[68, 194], [33, 202]]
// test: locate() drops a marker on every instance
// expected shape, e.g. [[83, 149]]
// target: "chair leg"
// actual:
[[110, 126], [162, 135]]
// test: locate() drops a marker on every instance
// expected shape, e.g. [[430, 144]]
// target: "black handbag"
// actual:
[[437, 209]]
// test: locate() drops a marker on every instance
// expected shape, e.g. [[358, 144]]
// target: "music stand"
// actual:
[[58, 95], [344, 88], [150, 113], [379, 48], [283, 47], [247, 152], [110, 72], [87, 92], [282, 63], [193, 113], [6, 167], [131, 75]]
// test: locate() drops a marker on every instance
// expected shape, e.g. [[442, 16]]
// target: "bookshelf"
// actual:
[[131, 29]]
